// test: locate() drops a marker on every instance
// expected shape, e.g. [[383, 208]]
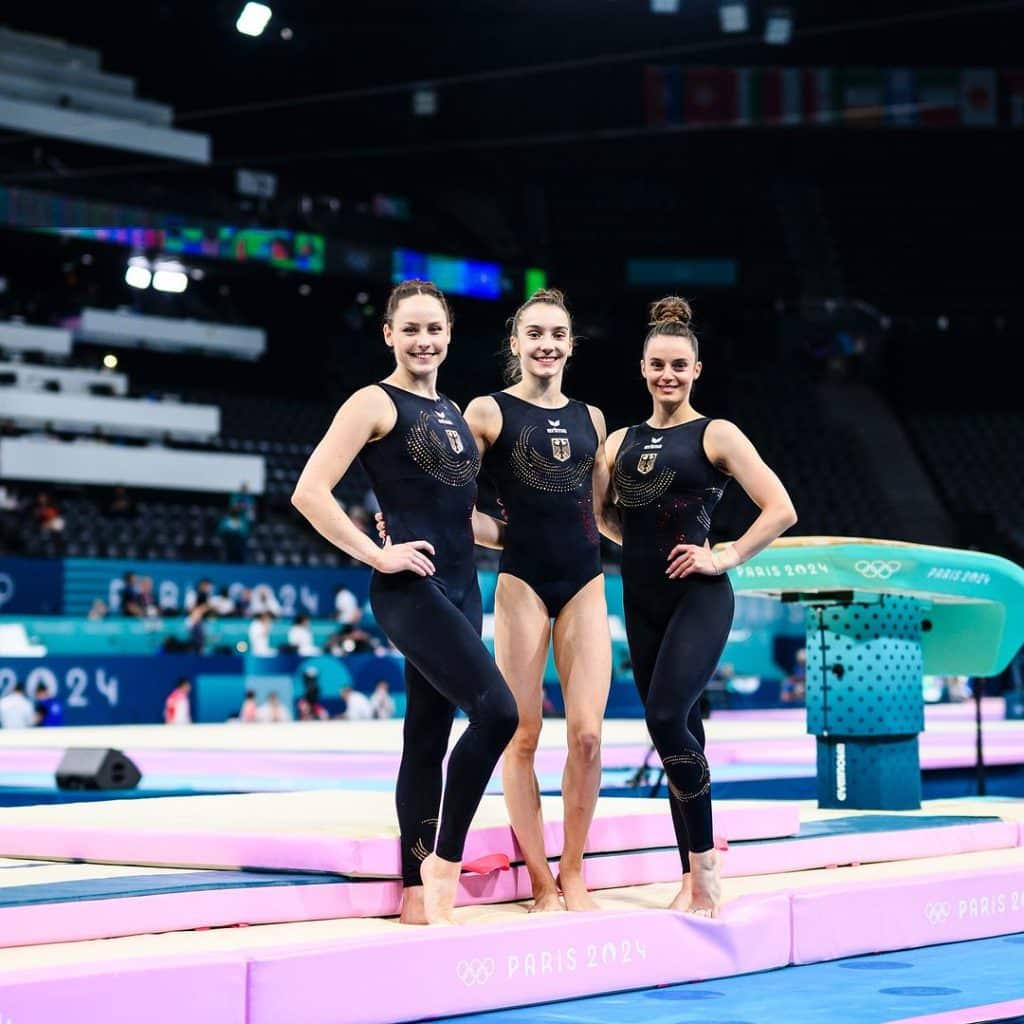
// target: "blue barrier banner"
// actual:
[[113, 690], [297, 590], [31, 586]]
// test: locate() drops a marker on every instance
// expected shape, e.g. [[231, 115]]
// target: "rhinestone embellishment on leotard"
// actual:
[[436, 457], [689, 760], [544, 474], [635, 493]]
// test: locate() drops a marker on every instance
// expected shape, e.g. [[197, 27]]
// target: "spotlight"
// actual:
[[362, 298], [778, 26], [138, 273], [253, 19], [304, 289], [110, 361], [424, 102], [664, 6], [286, 34], [734, 16], [943, 323], [170, 277]]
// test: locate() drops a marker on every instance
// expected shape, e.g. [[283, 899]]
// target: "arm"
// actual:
[[483, 416], [608, 520], [731, 451], [368, 414]]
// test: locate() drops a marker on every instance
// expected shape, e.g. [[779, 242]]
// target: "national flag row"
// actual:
[[871, 96]]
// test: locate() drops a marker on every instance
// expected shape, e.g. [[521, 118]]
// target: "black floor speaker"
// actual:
[[96, 768]]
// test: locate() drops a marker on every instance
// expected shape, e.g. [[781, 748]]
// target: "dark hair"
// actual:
[[415, 287], [513, 371], [671, 316]]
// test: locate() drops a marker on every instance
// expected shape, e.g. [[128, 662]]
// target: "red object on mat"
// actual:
[[485, 865]]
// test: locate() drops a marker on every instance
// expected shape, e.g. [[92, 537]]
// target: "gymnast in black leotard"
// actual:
[[544, 453], [423, 461], [667, 476]]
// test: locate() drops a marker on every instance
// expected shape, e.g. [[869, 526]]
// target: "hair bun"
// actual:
[[547, 295], [670, 310]]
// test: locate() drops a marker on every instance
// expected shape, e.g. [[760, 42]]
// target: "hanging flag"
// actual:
[[938, 97], [820, 98], [901, 97], [862, 96], [770, 96], [710, 96], [978, 96], [662, 95], [1013, 89]]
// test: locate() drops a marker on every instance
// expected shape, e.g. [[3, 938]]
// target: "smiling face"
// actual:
[[669, 367], [542, 341], [420, 334]]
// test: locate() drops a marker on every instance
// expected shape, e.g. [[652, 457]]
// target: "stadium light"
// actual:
[[138, 273], [253, 19], [424, 102], [664, 6], [110, 361], [778, 26], [734, 16], [170, 277]]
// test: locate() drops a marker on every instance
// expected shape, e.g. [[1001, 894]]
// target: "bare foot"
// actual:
[[546, 901], [440, 881], [707, 884], [412, 906], [685, 897], [574, 889]]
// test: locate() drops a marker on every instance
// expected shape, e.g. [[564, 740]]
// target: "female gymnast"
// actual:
[[543, 452], [667, 475], [422, 460]]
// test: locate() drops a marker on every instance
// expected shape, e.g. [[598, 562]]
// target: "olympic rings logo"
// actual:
[[878, 569], [937, 912], [475, 971]]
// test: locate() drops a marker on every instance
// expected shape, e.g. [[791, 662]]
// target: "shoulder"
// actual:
[[723, 440], [372, 406], [484, 412], [614, 441]]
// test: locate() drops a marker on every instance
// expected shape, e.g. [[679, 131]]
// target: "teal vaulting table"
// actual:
[[880, 614]]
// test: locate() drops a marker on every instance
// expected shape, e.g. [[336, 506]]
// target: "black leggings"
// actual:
[[677, 632], [446, 667]]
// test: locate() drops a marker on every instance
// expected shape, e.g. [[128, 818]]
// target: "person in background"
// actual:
[[346, 607], [243, 602], [259, 635], [196, 623], [300, 636], [794, 686], [177, 710], [130, 596], [381, 701], [49, 710], [16, 710], [357, 705], [146, 601], [121, 505], [273, 710], [250, 711], [47, 515], [309, 707], [222, 602], [245, 502], [233, 529], [201, 595], [98, 611]]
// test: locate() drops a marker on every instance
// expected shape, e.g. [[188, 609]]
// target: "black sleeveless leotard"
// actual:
[[424, 475], [542, 466], [667, 490]]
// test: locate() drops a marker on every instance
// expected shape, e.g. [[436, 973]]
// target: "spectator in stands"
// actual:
[[121, 505], [201, 595], [363, 520], [196, 622], [233, 529], [130, 596], [146, 600], [245, 503], [98, 610], [263, 600], [309, 706], [8, 500], [177, 710], [16, 710], [357, 705], [49, 710], [300, 636], [381, 701], [274, 710], [351, 640], [250, 711], [346, 607], [243, 603], [222, 602], [47, 515], [794, 685], [259, 635]]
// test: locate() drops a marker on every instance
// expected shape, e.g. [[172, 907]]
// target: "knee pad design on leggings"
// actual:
[[692, 775]]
